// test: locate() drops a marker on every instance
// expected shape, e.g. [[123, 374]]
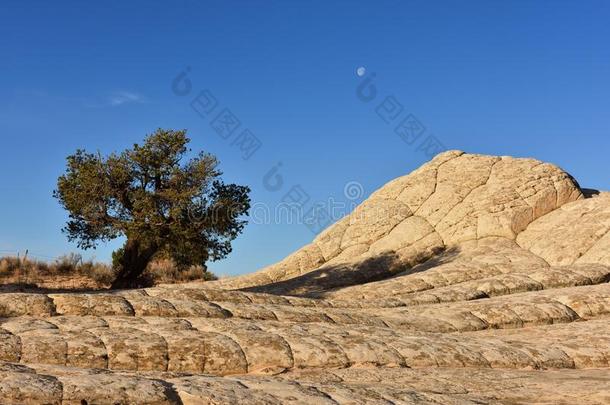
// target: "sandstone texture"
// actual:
[[472, 280]]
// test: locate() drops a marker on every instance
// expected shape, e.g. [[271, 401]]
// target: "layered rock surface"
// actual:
[[474, 279]]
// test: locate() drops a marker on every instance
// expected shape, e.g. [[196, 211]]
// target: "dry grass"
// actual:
[[72, 272], [34, 271], [165, 271]]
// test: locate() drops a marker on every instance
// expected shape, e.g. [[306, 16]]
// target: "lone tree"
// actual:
[[162, 202]]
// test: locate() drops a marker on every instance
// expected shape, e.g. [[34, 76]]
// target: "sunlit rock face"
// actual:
[[449, 204], [473, 279]]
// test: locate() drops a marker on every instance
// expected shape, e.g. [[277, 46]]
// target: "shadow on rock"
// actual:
[[331, 277]]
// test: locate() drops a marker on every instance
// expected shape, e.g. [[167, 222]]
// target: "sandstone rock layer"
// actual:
[[474, 279]]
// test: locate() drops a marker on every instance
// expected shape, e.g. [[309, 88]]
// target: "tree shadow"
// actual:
[[385, 266], [589, 192], [446, 256]]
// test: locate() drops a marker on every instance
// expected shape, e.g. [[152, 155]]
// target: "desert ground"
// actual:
[[472, 280]]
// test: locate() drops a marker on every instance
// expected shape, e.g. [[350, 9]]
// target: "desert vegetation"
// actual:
[[67, 271], [166, 204], [71, 271], [173, 210]]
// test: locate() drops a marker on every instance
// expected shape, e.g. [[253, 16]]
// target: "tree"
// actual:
[[162, 202]]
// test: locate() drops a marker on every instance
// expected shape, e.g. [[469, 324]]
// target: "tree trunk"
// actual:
[[133, 263]]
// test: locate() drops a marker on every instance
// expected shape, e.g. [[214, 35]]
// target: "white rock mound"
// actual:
[[445, 205]]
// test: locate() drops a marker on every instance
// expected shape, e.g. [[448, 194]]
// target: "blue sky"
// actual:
[[516, 78]]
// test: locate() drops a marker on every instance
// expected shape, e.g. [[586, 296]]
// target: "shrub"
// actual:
[[166, 271], [8, 266], [100, 272], [68, 264]]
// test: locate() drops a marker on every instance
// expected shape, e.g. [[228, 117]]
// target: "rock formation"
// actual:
[[474, 279]]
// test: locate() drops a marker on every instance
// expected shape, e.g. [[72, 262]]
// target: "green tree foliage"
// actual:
[[163, 202]]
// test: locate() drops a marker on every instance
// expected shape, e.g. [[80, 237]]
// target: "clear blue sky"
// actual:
[[517, 78]]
